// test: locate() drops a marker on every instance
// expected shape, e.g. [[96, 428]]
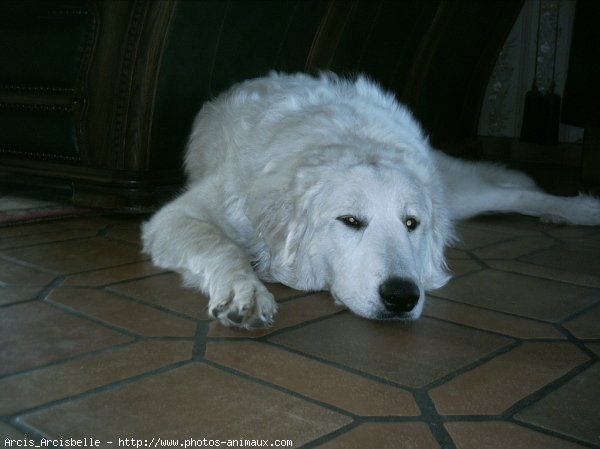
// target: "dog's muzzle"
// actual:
[[398, 295]]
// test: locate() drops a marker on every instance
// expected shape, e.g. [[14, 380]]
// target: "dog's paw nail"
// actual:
[[245, 309], [267, 319]]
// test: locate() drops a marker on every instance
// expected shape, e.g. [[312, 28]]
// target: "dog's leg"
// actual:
[[211, 262], [479, 188], [579, 210]]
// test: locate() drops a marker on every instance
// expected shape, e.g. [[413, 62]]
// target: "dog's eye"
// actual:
[[351, 222], [411, 223]]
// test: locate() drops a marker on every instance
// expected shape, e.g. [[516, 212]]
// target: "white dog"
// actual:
[[326, 184]]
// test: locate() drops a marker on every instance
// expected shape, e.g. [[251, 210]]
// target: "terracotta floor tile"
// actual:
[[495, 386], [75, 256], [33, 334], [579, 259], [9, 232], [592, 242], [313, 379], [66, 370], [413, 354], [502, 435], [9, 432], [112, 275], [289, 313], [24, 391], [385, 436], [9, 295], [595, 347], [166, 290], [515, 248], [122, 313], [572, 277], [573, 232], [585, 326], [470, 237], [126, 234], [103, 223], [192, 401], [27, 239], [453, 253], [458, 267], [571, 410], [15, 274], [489, 320], [517, 225], [520, 295]]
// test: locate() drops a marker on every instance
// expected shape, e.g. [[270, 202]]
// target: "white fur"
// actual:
[[274, 162]]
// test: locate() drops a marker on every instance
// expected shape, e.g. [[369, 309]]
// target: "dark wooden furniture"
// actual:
[[97, 96]]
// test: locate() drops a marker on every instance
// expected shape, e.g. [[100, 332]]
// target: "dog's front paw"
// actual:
[[246, 304]]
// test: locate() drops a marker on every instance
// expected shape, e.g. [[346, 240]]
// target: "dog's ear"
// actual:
[[440, 235], [298, 249], [286, 224]]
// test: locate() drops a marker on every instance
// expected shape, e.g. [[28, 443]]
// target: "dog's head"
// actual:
[[372, 234]]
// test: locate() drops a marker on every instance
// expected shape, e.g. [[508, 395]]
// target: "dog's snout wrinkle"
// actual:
[[399, 295]]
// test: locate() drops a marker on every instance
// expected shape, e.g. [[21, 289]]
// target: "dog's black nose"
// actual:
[[399, 295]]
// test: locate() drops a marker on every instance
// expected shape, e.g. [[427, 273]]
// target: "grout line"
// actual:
[[480, 307], [543, 278], [121, 265], [201, 339], [287, 391], [28, 265], [151, 305], [91, 236], [433, 418], [300, 325], [473, 365], [330, 436], [103, 232], [69, 359], [581, 344], [92, 319], [143, 277], [509, 238], [41, 296], [553, 433], [579, 313], [29, 432], [102, 388], [123, 296], [547, 389], [348, 369]]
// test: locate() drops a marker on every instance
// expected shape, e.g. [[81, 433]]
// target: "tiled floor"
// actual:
[[97, 343]]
